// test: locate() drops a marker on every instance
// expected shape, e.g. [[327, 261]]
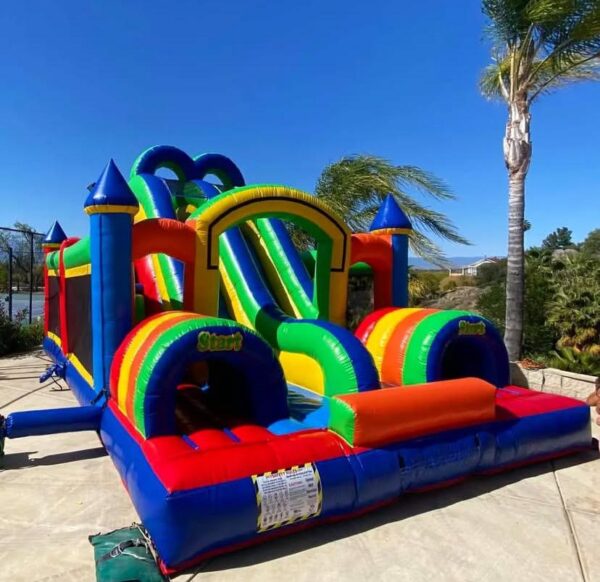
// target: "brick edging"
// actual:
[[553, 380]]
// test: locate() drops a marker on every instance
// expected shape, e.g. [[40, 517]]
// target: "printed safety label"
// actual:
[[287, 496]]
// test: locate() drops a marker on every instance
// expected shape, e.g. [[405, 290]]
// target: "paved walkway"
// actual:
[[536, 523]]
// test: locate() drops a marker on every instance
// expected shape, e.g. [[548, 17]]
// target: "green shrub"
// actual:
[[17, 336], [492, 304], [423, 285], [491, 273], [450, 283], [538, 336], [573, 360], [591, 245], [575, 308]]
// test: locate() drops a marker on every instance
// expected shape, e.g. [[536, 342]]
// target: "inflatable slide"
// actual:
[[216, 367]]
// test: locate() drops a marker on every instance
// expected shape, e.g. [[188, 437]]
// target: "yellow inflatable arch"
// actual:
[[270, 201]]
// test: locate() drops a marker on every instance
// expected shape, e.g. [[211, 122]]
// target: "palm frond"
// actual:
[[425, 248], [540, 45], [507, 21], [494, 80], [424, 182], [550, 15], [356, 185], [558, 71]]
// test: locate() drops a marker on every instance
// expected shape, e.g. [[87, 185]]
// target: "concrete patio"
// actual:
[[537, 523]]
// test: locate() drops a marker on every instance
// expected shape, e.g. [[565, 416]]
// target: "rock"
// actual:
[[460, 298], [562, 254]]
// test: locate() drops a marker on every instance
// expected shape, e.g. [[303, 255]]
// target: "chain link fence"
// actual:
[[21, 273]]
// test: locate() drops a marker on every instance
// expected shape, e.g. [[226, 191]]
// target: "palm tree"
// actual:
[[538, 46], [356, 185]]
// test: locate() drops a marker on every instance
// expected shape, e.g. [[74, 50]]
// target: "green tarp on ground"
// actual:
[[125, 555]]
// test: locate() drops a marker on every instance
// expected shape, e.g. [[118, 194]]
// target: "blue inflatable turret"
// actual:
[[111, 207], [391, 220], [56, 235]]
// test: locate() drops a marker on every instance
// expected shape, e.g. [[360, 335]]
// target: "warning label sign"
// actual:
[[288, 495]]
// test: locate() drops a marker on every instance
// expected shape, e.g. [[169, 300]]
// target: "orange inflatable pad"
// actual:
[[380, 417]]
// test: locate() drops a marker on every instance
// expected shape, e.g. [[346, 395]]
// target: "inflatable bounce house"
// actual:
[[214, 363]]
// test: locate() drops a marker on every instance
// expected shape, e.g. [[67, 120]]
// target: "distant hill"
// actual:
[[423, 265]]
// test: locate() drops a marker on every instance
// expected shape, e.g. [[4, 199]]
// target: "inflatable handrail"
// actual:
[[77, 255], [164, 156], [379, 417]]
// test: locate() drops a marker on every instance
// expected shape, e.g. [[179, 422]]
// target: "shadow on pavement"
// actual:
[[14, 461], [24, 395]]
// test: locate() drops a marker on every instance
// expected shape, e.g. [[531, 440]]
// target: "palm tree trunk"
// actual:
[[517, 156]]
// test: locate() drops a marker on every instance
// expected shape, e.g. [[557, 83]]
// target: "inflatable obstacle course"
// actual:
[[217, 370]]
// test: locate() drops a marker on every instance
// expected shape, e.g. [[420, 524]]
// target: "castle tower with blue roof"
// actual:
[[391, 220], [111, 207]]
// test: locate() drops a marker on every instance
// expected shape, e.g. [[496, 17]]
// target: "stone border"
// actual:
[[553, 380]]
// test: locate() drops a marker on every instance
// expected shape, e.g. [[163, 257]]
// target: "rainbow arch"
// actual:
[[418, 345], [155, 356]]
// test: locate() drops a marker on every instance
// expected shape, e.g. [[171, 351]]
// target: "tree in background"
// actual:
[[538, 337], [575, 308], [3, 276], [538, 46], [356, 185], [20, 243], [491, 273], [559, 239], [591, 245], [562, 306]]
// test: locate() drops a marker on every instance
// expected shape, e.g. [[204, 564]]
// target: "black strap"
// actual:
[[101, 393], [121, 547]]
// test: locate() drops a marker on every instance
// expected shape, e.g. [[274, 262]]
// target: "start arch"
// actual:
[[152, 360]]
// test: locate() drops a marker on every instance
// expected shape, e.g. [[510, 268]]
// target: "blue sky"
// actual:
[[284, 88]]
